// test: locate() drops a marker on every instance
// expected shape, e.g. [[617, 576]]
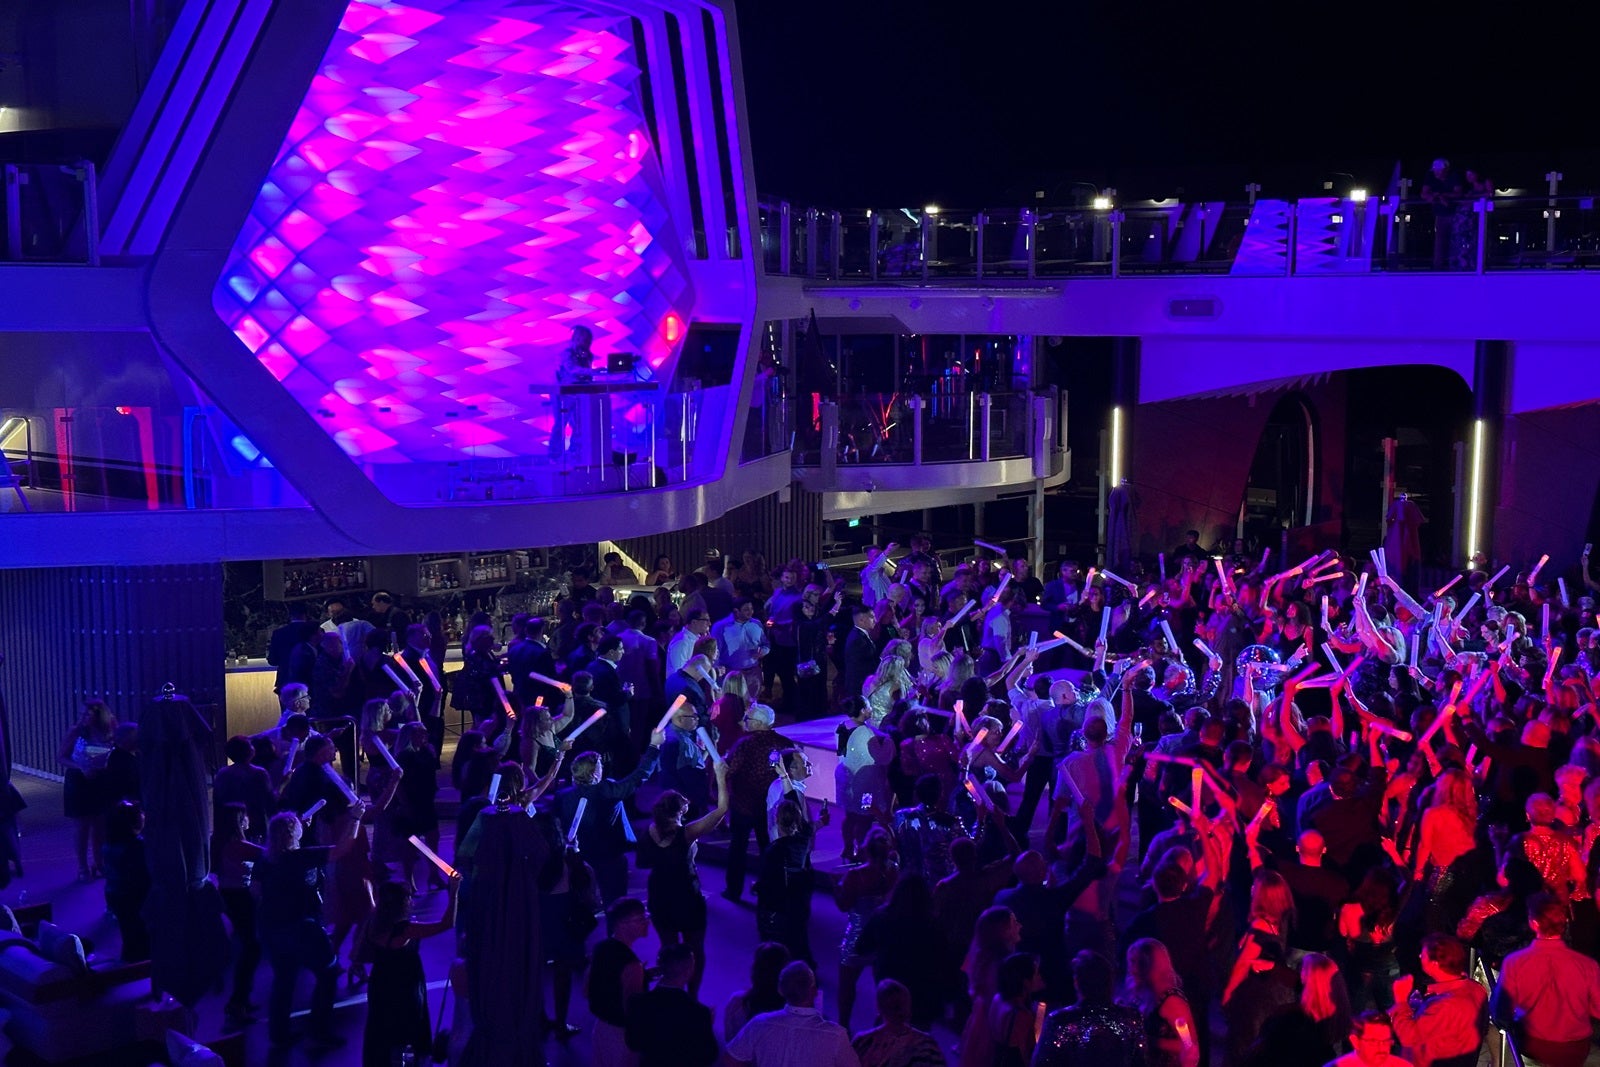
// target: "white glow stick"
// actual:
[[1089, 578], [1266, 554], [1172, 642], [1261, 814], [1472, 602], [1033, 640], [599, 714], [673, 710], [1105, 621], [1561, 584], [977, 794], [1162, 757], [996, 549], [395, 678], [1048, 645], [1378, 562], [1073, 644], [1038, 1022], [1011, 735], [1323, 564], [431, 856], [433, 679], [1555, 660], [705, 742], [1329, 576], [958, 616], [1205, 649], [1181, 806], [494, 788], [1382, 727], [1005, 580], [977, 742], [1225, 577], [1537, 567], [416, 683], [505, 703], [338, 780], [1149, 596], [1121, 581], [1416, 641], [1446, 587], [545, 680], [383, 751], [577, 818], [1439, 720], [962, 726], [311, 812], [1327, 650], [1499, 574], [288, 761], [1196, 786], [1544, 621]]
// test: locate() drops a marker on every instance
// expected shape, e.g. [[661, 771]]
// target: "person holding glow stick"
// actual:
[[684, 761], [667, 851], [605, 834]]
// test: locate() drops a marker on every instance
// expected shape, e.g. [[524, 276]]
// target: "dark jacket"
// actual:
[[669, 1028]]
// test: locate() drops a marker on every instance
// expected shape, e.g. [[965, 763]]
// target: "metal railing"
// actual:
[[1316, 236], [912, 428], [1503, 1048]]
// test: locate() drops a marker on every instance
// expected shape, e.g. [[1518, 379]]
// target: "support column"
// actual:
[[117, 633], [1118, 436], [1491, 377]]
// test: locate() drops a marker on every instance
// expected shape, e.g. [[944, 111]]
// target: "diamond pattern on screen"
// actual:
[[465, 181]]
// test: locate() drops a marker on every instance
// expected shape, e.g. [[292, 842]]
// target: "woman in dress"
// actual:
[[811, 659], [1312, 1031], [397, 999], [418, 812], [84, 752], [1153, 990], [1366, 922], [1261, 981], [667, 850], [862, 891], [861, 777], [235, 857], [783, 883], [994, 937], [474, 689], [1447, 862], [1093, 1032]]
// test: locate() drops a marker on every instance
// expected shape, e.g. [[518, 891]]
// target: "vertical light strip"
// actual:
[[1475, 491], [1116, 446]]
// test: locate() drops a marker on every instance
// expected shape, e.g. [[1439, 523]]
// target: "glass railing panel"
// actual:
[[43, 212], [899, 244], [1006, 238], [799, 246], [1541, 233], [857, 248], [875, 428], [766, 431], [770, 222], [953, 245], [1009, 425], [1072, 242]]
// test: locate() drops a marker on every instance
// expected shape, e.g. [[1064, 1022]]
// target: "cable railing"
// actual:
[[1256, 238]]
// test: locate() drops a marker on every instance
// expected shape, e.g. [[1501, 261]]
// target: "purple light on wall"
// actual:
[[464, 182]]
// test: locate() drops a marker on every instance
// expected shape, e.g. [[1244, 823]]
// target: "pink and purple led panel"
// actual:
[[464, 182]]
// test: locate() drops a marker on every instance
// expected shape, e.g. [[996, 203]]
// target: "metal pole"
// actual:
[[977, 222], [812, 230], [986, 403], [830, 442], [1389, 446], [916, 404], [785, 239], [1400, 216], [91, 211], [1483, 207], [1116, 244], [972, 425], [927, 242], [1293, 238], [1554, 178], [835, 244], [1030, 232], [1036, 526], [872, 236]]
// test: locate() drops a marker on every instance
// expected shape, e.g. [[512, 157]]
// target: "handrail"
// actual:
[[1509, 1055]]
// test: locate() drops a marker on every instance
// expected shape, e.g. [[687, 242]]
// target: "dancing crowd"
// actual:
[[1207, 810]]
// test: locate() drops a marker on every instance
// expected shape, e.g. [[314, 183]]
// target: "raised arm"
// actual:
[[708, 822]]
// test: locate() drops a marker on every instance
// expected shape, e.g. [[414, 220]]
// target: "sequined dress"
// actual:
[[1094, 1035]]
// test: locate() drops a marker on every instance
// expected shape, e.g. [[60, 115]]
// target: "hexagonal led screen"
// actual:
[[465, 181]]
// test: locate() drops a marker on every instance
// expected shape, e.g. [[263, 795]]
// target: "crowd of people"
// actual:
[[1211, 810]]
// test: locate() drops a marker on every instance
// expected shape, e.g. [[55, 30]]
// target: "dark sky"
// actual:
[[858, 101]]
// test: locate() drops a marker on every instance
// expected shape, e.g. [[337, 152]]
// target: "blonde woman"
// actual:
[[1153, 990], [84, 753]]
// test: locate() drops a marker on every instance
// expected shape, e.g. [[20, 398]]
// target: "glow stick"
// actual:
[[1005, 580], [1324, 681], [977, 794], [494, 788], [1181, 806], [958, 616], [1324, 564], [1072, 787], [1011, 735], [673, 710], [1161, 561], [1472, 755], [1561, 584], [505, 704], [1438, 722], [1266, 554], [577, 818], [1089, 579], [1162, 757], [1038, 1022], [1033, 640], [1121, 581], [1261, 814], [288, 761], [431, 856], [338, 780], [1499, 574], [1224, 577], [1537, 567], [1326, 623], [1416, 642], [1073, 644], [416, 683], [1205, 649], [1172, 642], [705, 741], [546, 680], [383, 751], [311, 812], [977, 742], [1196, 786], [1377, 561], [1472, 602], [1330, 576], [395, 678], [1544, 621], [1379, 726], [1327, 650], [1446, 587], [433, 679], [1555, 659], [599, 714], [996, 549], [1151, 595], [1048, 645], [1105, 622]]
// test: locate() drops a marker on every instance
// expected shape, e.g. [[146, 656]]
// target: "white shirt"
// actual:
[[680, 649], [793, 1037], [775, 794]]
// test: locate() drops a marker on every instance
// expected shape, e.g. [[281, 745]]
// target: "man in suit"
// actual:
[[605, 834], [529, 654], [860, 654], [609, 688], [281, 649], [430, 700], [693, 683]]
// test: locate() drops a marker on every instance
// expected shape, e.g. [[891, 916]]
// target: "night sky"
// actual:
[[855, 102]]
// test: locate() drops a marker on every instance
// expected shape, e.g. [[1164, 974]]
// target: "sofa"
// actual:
[[62, 1003]]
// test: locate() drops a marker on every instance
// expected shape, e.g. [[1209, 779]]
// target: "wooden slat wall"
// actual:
[[778, 531], [118, 633]]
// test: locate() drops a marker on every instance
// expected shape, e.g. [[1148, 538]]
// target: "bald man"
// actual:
[[1318, 891]]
